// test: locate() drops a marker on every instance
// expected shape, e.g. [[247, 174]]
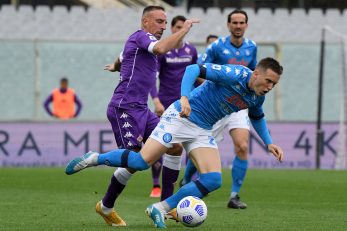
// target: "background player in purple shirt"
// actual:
[[170, 72], [131, 120]]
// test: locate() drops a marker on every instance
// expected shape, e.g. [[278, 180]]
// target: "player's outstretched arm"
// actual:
[[276, 151]]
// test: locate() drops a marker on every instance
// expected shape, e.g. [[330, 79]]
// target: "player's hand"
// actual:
[[110, 67], [189, 23], [159, 108], [185, 107], [276, 151]]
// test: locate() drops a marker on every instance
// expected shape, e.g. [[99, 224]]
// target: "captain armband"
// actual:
[[202, 71], [253, 117]]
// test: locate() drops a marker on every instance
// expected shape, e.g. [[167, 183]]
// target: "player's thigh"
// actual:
[[239, 136], [206, 159], [152, 150], [128, 126]]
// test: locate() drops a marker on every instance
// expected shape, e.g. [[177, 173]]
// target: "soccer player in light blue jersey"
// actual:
[[232, 49], [189, 121]]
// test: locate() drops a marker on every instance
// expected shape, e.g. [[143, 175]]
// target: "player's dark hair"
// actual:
[[152, 8], [64, 80], [270, 63], [176, 19], [237, 12], [211, 36]]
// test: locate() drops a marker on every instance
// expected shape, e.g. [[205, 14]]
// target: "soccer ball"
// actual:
[[191, 211]]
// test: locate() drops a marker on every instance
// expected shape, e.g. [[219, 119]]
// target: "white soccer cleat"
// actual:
[[87, 160]]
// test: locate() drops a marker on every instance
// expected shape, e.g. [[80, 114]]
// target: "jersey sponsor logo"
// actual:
[[124, 115], [127, 125], [156, 133], [179, 59], [167, 137], [128, 135], [216, 67], [234, 61], [237, 101]]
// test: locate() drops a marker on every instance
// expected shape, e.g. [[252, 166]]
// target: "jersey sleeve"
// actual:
[[253, 63], [222, 74], [146, 41]]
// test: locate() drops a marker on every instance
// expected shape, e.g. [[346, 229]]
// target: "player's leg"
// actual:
[[156, 170], [152, 121], [217, 133], [171, 170], [208, 162], [239, 132]]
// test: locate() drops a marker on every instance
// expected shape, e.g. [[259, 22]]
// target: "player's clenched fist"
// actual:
[[185, 107]]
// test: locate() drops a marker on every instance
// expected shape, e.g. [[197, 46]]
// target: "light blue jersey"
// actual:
[[225, 93], [222, 51]]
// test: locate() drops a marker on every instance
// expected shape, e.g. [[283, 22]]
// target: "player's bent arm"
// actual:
[[259, 124], [191, 74], [172, 41]]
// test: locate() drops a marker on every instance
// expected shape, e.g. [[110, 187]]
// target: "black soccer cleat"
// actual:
[[235, 203]]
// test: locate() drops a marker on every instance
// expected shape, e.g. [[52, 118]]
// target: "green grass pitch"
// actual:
[[47, 199]]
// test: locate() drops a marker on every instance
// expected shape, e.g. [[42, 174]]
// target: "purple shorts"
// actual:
[[131, 127]]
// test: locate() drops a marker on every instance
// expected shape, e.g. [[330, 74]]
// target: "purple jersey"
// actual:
[[171, 69], [138, 71]]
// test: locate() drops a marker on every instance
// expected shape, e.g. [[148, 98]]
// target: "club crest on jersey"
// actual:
[[187, 50], [167, 137], [139, 138], [237, 53]]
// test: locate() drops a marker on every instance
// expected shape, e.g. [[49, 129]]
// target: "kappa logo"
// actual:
[[227, 69], [128, 135], [127, 125], [226, 52], [244, 74], [124, 115], [237, 71]]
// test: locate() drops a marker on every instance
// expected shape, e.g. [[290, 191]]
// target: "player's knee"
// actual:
[[211, 181], [241, 149], [134, 160]]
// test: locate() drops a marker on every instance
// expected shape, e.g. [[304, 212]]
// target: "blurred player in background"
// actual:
[[64, 100], [189, 121], [131, 120], [209, 39], [232, 49], [170, 72]]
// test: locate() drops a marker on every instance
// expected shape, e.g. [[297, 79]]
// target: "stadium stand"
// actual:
[[79, 42]]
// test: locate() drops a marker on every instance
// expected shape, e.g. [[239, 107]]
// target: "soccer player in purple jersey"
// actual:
[[170, 72], [131, 120], [233, 49]]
